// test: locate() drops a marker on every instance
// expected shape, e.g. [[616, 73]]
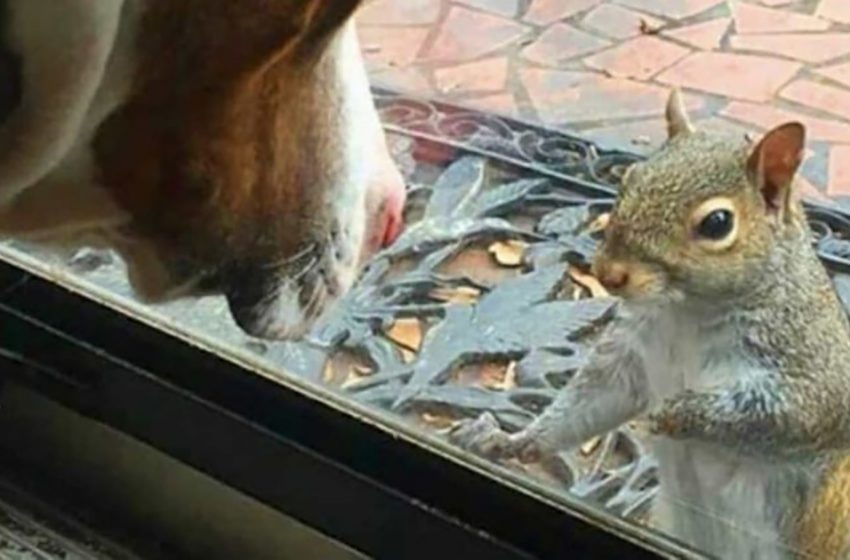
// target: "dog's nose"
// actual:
[[385, 203], [613, 277]]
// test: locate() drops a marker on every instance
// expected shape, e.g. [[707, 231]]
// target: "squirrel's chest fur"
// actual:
[[726, 503]]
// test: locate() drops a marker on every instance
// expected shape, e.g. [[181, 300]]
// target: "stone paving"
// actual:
[[603, 68]]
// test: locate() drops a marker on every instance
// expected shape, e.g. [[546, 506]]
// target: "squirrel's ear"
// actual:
[[677, 116], [774, 161]]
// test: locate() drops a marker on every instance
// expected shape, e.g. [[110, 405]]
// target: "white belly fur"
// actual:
[[717, 503], [711, 498]]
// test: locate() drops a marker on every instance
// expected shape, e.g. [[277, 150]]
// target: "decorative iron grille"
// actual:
[[483, 304]]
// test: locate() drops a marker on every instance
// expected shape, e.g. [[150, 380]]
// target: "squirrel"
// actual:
[[729, 344]]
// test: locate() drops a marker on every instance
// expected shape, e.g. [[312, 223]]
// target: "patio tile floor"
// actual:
[[602, 68]]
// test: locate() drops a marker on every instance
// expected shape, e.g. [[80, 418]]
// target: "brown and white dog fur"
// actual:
[[219, 146]]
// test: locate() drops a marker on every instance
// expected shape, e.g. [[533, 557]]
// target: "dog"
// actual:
[[219, 146]]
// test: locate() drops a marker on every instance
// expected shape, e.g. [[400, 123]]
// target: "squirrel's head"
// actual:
[[701, 217]]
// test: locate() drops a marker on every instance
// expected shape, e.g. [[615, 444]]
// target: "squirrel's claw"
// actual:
[[483, 436]]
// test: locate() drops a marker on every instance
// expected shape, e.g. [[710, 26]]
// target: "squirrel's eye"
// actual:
[[716, 225], [713, 224]]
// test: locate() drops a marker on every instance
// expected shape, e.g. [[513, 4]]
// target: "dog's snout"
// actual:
[[265, 306]]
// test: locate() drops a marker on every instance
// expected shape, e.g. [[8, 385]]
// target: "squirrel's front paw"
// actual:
[[483, 436], [663, 423], [676, 417]]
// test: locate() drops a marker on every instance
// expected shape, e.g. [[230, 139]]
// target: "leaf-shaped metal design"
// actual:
[[453, 193]]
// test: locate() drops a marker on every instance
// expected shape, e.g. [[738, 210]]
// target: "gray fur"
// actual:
[[741, 362]]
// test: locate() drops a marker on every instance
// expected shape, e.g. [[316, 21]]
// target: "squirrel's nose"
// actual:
[[613, 277]]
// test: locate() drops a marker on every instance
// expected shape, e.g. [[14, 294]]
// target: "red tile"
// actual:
[[393, 12], [617, 22], [705, 36], [638, 58], [507, 8], [390, 47], [839, 171], [644, 137], [757, 19], [641, 137], [501, 103], [839, 72], [719, 125], [810, 192], [545, 84], [432, 153], [410, 80], [544, 12], [807, 47], [766, 117], [484, 75], [562, 42], [562, 97], [836, 10], [754, 78], [677, 9], [818, 96], [467, 34]]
